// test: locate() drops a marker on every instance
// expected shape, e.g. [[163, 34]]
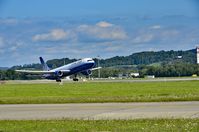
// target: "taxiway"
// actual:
[[97, 111]]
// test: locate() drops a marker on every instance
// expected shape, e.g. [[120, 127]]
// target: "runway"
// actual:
[[98, 111], [102, 80]]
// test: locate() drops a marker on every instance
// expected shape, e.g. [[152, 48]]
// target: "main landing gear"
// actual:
[[75, 78]]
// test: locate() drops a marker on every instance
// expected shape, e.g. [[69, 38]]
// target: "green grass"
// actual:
[[99, 92], [146, 125]]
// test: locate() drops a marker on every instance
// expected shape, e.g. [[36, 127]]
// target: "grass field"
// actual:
[[146, 125], [99, 92]]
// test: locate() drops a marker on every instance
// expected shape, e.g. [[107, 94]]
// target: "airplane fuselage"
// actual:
[[73, 68]]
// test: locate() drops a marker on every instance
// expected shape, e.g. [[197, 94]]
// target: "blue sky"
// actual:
[[87, 28], [54, 8]]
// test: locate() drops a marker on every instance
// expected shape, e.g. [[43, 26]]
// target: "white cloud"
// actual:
[[53, 35], [102, 31], [104, 24]]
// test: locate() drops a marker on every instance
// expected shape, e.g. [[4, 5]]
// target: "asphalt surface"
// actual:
[[97, 111]]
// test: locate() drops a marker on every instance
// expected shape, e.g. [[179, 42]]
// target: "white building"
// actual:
[[197, 51], [135, 74]]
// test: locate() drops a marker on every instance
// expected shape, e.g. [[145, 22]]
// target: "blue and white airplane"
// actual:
[[84, 66]]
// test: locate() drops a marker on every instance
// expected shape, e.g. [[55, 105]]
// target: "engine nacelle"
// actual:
[[86, 73], [59, 73]]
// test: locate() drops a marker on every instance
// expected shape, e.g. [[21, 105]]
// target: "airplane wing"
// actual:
[[65, 71], [96, 68], [35, 72], [41, 72]]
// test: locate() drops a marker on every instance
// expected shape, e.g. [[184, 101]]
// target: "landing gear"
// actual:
[[75, 78], [58, 80]]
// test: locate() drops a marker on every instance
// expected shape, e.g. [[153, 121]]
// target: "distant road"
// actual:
[[106, 80], [100, 111]]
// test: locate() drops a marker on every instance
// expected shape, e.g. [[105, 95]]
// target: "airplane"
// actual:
[[84, 66]]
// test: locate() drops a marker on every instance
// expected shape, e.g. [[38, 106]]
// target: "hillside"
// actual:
[[150, 57], [146, 58]]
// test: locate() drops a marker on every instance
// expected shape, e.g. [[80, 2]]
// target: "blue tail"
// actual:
[[44, 65]]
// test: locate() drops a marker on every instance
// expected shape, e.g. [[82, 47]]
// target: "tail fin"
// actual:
[[44, 65]]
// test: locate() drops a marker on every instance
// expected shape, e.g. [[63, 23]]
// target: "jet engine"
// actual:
[[59, 73], [87, 72]]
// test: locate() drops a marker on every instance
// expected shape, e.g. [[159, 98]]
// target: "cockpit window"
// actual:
[[89, 60]]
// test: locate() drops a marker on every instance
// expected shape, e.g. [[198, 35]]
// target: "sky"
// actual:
[[88, 28]]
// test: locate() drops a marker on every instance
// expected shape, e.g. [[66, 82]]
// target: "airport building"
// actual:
[[197, 53]]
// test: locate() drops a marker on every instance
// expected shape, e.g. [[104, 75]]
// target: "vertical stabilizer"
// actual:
[[44, 65]]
